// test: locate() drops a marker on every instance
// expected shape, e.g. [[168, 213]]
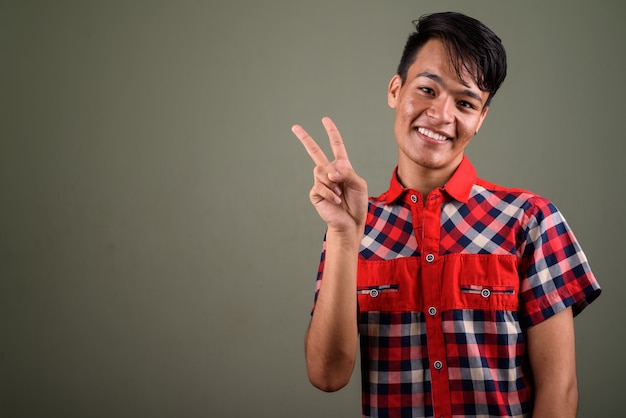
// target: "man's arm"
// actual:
[[332, 338], [340, 197], [551, 350]]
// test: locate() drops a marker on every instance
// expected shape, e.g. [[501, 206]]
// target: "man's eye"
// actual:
[[465, 104], [427, 90]]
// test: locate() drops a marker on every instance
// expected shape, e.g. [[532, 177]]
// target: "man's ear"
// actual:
[[394, 91]]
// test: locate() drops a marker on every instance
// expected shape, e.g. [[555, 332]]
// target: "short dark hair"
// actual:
[[471, 46]]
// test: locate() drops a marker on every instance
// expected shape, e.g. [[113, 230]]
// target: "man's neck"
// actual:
[[423, 180]]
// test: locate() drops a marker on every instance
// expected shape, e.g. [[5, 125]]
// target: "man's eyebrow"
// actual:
[[437, 79], [432, 76]]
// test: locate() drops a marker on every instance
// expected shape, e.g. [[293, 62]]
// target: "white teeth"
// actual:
[[431, 134]]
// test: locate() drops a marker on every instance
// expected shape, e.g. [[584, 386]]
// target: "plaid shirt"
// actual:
[[448, 287]]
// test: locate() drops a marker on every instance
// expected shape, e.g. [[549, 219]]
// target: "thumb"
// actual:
[[349, 178]]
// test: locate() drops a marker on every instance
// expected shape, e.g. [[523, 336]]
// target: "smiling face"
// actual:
[[437, 114]]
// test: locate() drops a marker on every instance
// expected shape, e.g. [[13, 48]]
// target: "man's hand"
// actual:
[[338, 193]]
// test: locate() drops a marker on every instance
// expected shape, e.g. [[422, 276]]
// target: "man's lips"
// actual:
[[433, 135]]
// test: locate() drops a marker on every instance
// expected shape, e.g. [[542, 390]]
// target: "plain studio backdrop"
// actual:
[[157, 247]]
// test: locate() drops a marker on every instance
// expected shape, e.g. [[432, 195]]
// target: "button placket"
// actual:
[[431, 271]]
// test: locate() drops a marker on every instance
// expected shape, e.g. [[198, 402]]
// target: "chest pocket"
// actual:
[[388, 285], [477, 281]]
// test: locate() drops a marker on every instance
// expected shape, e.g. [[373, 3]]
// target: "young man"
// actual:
[[463, 292]]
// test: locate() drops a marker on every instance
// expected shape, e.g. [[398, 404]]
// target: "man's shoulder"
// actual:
[[529, 203], [486, 186]]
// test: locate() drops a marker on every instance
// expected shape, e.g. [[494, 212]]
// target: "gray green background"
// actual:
[[157, 247]]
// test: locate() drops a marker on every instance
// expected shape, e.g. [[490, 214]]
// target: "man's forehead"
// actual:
[[465, 69], [443, 75]]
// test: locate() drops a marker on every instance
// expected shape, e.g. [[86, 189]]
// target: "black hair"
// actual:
[[471, 46]]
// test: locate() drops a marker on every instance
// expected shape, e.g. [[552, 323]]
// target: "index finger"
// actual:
[[336, 142], [314, 150]]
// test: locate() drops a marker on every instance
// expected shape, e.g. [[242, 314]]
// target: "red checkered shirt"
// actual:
[[446, 290]]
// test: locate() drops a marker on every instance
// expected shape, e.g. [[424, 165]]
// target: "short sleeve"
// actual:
[[555, 273]]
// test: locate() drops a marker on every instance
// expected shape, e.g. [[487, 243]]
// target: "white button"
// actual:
[[430, 258], [413, 198], [432, 311], [485, 293], [374, 293], [438, 365]]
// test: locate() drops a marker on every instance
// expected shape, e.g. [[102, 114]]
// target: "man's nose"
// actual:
[[442, 109]]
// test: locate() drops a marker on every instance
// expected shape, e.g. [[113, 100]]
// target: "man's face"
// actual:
[[437, 114]]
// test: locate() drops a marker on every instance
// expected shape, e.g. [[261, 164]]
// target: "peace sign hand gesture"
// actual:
[[338, 194]]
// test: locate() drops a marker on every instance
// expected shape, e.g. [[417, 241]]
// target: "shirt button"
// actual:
[[485, 293], [413, 198], [430, 258], [374, 293], [432, 311], [438, 365]]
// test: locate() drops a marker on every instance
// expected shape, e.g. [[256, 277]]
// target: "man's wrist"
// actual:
[[346, 236]]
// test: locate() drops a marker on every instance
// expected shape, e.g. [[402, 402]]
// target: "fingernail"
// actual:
[[337, 190]]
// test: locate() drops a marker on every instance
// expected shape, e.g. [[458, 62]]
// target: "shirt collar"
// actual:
[[458, 187]]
